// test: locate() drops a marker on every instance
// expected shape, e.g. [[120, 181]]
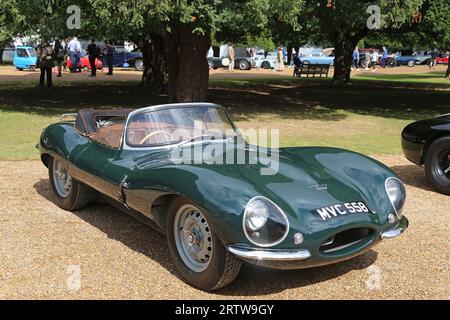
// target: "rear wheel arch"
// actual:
[[429, 142]]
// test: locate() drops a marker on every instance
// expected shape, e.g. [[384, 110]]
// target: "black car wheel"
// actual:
[[244, 65], [265, 65], [437, 165], [391, 63], [210, 64], [139, 64], [305, 62], [199, 256], [70, 194], [410, 63]]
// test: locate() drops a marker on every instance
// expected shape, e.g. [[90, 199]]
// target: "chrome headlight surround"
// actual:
[[264, 223], [396, 193]]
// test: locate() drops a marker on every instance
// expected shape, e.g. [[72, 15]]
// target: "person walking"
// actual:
[[73, 47], [231, 57], [355, 59], [109, 55], [45, 62], [434, 56], [367, 60], [293, 54], [374, 60], [94, 52], [60, 55], [384, 57]]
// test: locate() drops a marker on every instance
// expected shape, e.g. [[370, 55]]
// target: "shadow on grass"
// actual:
[[250, 281], [246, 99]]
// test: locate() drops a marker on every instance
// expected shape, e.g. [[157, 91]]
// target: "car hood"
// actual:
[[304, 179]]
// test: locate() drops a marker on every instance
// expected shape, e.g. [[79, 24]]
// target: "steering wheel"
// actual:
[[154, 133]]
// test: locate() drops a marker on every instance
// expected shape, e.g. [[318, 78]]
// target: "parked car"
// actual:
[[124, 58], [442, 59], [85, 64], [25, 57], [265, 62], [242, 63], [317, 58], [412, 58], [427, 143], [319, 206]]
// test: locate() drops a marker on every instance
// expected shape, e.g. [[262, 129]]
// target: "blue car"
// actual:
[[412, 59], [317, 58], [25, 57]]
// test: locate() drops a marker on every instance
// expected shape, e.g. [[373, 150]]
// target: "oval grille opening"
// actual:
[[345, 239]]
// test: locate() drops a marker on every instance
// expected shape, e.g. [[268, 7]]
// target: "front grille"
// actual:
[[345, 239]]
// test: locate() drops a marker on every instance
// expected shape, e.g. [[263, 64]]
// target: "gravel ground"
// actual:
[[43, 248]]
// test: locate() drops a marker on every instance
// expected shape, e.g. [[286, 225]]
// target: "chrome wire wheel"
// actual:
[[61, 179], [193, 238]]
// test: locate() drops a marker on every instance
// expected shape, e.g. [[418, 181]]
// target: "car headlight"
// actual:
[[264, 223], [397, 194]]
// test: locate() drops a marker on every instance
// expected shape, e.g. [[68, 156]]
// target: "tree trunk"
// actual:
[[187, 64], [1, 54], [154, 75], [343, 49]]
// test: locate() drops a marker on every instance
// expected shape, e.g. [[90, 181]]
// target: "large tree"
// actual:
[[346, 22], [10, 19]]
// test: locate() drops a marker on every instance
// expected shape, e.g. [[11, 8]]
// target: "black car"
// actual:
[[427, 142]]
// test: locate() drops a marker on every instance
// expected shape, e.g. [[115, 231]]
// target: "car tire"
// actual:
[[305, 62], [20, 69], [139, 65], [85, 68], [210, 64], [437, 162], [265, 65], [78, 194], [213, 266], [410, 63], [244, 65]]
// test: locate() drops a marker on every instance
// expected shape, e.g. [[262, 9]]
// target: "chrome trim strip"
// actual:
[[72, 116], [255, 254], [343, 246], [398, 230]]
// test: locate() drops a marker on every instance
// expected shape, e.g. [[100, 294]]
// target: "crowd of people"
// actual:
[[49, 56]]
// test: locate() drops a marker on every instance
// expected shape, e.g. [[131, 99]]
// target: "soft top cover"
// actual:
[[85, 122]]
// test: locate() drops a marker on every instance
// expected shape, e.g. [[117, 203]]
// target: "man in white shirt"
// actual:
[[74, 50]]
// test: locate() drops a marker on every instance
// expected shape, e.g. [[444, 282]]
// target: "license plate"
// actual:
[[338, 210]]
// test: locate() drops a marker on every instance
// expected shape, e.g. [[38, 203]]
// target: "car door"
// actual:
[[20, 58]]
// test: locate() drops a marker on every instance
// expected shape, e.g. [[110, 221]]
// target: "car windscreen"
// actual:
[[32, 52], [177, 125]]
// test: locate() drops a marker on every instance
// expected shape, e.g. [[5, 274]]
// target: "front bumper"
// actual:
[[303, 258]]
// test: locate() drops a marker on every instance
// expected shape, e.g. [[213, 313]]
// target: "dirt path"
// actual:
[[10, 74], [42, 249]]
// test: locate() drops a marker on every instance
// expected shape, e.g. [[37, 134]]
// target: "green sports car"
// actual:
[[186, 170]]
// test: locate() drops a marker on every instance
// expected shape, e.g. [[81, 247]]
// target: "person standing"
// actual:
[[73, 46], [374, 60], [367, 60], [109, 55], [434, 56], [384, 57], [94, 52], [355, 59], [231, 57], [279, 64], [58, 49], [45, 62]]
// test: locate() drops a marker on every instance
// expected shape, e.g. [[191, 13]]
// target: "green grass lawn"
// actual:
[[367, 116]]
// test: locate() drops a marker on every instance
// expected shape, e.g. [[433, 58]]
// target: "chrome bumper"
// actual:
[[253, 254], [397, 230], [292, 255]]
